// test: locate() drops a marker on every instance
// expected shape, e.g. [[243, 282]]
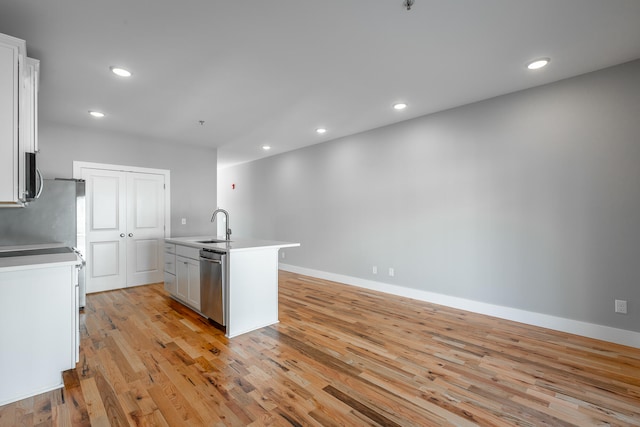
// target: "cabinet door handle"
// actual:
[[121, 234], [41, 186], [130, 234]]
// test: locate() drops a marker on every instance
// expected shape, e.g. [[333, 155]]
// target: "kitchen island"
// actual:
[[250, 278]]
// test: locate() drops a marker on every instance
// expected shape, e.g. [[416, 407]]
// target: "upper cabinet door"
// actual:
[[29, 120], [12, 51], [28, 133]]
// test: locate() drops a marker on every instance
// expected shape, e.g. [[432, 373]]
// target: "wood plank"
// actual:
[[339, 356], [75, 408]]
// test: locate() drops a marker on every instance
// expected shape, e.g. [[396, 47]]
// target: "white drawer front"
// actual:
[[170, 247], [185, 251], [170, 263]]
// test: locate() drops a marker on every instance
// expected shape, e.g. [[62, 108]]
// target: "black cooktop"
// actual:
[[29, 252]]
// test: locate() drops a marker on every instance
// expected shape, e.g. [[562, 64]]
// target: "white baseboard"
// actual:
[[591, 330]]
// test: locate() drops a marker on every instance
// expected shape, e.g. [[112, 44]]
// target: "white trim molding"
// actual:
[[591, 330]]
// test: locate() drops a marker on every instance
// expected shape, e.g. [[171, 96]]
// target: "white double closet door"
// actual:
[[125, 228]]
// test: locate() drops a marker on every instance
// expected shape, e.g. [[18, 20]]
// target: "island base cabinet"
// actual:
[[252, 293], [37, 330], [250, 285], [182, 274]]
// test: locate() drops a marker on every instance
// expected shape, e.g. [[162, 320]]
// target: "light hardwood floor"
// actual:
[[339, 356]]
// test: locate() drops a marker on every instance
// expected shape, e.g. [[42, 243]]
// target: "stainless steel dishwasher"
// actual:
[[213, 269]]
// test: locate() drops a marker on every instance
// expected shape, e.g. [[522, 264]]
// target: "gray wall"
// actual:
[[193, 169], [529, 200]]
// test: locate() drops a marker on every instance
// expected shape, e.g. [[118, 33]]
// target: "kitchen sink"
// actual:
[[214, 241]]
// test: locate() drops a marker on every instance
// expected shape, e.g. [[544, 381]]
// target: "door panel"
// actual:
[[146, 198], [147, 255], [145, 228], [105, 205], [107, 253], [105, 229]]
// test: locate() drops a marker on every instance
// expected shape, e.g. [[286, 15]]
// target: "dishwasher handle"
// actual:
[[212, 261]]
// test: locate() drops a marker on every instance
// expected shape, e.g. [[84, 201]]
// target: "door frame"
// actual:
[[77, 174]]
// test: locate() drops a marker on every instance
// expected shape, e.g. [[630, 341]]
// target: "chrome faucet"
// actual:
[[226, 215]]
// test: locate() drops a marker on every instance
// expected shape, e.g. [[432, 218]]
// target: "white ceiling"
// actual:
[[270, 72]]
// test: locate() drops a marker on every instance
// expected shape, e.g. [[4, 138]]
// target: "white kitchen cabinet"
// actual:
[[38, 328], [188, 281], [28, 134], [182, 274], [12, 53], [19, 77], [170, 284]]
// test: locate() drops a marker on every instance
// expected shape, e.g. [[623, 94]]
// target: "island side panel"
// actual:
[[252, 297]]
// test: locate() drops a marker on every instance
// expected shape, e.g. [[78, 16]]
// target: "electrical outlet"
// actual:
[[184, 221], [374, 270], [392, 272], [621, 306]]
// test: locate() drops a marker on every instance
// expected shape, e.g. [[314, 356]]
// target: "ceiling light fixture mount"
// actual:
[[399, 106], [408, 4], [96, 114], [320, 131]]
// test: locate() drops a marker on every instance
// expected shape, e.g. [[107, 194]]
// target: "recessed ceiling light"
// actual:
[[400, 106], [118, 71], [96, 114], [321, 131], [266, 147], [538, 63]]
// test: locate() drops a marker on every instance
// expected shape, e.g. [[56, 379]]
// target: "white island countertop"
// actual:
[[36, 256], [229, 246]]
